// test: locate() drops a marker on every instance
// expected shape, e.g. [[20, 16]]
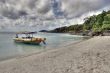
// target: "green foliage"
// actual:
[[107, 17], [94, 23], [106, 27], [88, 24], [73, 28], [97, 28], [106, 22]]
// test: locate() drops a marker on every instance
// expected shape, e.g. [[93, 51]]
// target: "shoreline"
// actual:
[[91, 55]]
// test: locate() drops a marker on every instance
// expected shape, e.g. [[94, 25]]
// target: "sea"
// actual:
[[10, 49]]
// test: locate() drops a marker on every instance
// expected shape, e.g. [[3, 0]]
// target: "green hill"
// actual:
[[100, 22], [95, 23], [106, 22]]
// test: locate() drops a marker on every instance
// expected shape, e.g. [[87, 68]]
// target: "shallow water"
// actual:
[[9, 49]]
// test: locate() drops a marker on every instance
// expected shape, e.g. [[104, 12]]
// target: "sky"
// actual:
[[47, 14]]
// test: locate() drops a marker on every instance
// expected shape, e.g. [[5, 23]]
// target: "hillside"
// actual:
[[95, 23]]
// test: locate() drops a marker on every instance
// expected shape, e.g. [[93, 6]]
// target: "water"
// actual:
[[9, 49]]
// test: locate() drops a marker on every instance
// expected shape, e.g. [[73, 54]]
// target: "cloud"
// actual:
[[70, 8], [16, 8], [42, 12], [75, 8]]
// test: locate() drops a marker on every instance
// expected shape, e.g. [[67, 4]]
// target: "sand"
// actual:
[[90, 56]]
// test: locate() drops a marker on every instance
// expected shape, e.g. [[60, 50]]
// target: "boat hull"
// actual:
[[33, 41]]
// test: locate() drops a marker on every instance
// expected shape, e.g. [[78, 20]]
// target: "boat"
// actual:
[[29, 38]]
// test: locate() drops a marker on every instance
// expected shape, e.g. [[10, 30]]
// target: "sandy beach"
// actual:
[[89, 56]]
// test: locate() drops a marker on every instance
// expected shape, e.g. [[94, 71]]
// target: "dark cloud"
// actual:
[[14, 9], [11, 14], [22, 13], [3, 1]]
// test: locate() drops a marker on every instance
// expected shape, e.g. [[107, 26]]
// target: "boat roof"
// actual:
[[26, 32]]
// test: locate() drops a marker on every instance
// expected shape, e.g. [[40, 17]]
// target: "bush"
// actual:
[[97, 28], [106, 26]]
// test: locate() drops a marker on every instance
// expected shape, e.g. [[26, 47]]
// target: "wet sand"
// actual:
[[89, 56]]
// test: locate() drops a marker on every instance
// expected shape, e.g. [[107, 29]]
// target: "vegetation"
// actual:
[[73, 28], [95, 23]]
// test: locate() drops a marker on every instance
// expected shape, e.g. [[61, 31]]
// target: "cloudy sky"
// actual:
[[47, 14]]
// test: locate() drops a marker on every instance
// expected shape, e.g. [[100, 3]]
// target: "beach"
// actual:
[[88, 56]]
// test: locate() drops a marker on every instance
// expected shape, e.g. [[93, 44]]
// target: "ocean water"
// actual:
[[10, 49]]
